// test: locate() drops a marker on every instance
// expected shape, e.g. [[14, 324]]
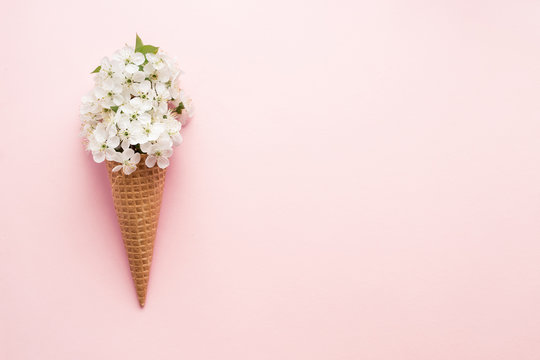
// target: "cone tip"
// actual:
[[141, 297]]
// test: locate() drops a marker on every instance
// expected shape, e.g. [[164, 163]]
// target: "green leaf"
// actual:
[[96, 70], [138, 43], [179, 108], [146, 49], [114, 108]]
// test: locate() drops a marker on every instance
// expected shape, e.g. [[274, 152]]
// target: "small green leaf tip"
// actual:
[[138, 43], [96, 70], [145, 49], [179, 108]]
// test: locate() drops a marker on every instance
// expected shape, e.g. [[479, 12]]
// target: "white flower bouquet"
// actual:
[[136, 104], [132, 120]]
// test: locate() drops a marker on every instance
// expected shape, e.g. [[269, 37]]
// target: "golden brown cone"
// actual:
[[137, 201]]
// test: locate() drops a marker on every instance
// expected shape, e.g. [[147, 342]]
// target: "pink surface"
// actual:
[[361, 181]]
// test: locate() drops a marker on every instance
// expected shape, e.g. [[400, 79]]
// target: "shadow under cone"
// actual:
[[137, 201]]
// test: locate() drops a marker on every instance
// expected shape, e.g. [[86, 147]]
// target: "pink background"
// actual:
[[361, 181]]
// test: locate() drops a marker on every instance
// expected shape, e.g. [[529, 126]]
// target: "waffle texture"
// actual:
[[137, 201]]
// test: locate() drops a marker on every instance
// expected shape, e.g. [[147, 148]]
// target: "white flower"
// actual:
[[132, 104], [174, 90], [144, 94], [103, 131], [162, 97], [173, 127], [89, 104], [129, 80], [187, 112], [128, 160], [110, 93], [162, 75], [134, 111], [109, 69], [160, 153], [152, 131], [102, 150], [156, 60], [129, 59], [131, 133], [188, 104]]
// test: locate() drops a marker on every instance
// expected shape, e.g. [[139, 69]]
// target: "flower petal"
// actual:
[[145, 147], [138, 76], [145, 118], [136, 102], [136, 158], [131, 68], [150, 161], [138, 58], [113, 142], [128, 153], [163, 162], [151, 57], [145, 86], [125, 145], [118, 100], [177, 139], [100, 133], [99, 156], [128, 169], [110, 154], [167, 152]]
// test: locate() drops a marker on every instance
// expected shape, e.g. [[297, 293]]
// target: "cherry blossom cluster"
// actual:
[[136, 107]]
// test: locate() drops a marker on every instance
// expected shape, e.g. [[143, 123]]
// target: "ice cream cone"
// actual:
[[137, 201]]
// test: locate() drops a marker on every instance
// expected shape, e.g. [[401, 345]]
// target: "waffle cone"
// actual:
[[137, 201]]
